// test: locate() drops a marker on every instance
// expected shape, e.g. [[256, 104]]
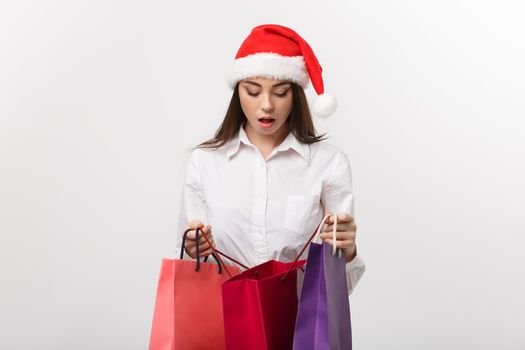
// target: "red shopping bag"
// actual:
[[188, 305], [260, 306]]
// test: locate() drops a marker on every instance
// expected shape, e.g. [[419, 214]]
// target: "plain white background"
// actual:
[[99, 100]]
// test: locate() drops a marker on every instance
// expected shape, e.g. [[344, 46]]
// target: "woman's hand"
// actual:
[[191, 244], [345, 234]]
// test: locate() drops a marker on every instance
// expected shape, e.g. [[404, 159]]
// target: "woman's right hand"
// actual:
[[191, 244]]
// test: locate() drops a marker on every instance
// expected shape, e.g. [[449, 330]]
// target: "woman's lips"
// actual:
[[266, 122]]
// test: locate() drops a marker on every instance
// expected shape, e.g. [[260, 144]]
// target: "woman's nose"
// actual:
[[267, 104]]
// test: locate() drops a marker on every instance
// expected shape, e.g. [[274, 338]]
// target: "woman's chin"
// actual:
[[266, 129]]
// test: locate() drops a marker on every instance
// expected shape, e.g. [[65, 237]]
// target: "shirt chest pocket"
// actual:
[[302, 212]]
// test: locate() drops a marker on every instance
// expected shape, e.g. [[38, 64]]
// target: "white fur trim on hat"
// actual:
[[271, 65]]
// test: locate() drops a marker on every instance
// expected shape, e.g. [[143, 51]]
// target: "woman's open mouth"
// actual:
[[266, 122]]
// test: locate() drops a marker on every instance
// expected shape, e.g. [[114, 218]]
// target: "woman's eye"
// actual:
[[257, 93]]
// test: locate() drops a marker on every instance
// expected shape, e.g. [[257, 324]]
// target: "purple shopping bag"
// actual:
[[323, 317]]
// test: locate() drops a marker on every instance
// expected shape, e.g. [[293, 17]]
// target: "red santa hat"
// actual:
[[278, 52]]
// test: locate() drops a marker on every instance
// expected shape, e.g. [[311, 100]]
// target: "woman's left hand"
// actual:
[[345, 234]]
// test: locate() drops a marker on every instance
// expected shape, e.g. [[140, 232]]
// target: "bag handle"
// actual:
[[197, 266], [316, 234], [217, 255], [334, 234]]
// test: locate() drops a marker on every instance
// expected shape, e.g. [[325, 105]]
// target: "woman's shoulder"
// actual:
[[326, 149], [197, 154]]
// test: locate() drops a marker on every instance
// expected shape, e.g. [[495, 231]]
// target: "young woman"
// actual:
[[261, 186]]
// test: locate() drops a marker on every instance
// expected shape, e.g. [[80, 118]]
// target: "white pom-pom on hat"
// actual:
[[324, 105]]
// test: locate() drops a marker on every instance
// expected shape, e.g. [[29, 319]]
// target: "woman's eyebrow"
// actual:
[[259, 85]]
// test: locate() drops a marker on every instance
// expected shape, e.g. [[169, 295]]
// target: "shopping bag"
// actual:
[[323, 316], [188, 304], [260, 307]]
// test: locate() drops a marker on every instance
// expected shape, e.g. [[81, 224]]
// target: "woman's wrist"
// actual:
[[351, 257]]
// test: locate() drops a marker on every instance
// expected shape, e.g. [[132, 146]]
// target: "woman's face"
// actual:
[[267, 104]]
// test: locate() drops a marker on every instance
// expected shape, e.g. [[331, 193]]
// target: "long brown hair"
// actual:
[[299, 121]]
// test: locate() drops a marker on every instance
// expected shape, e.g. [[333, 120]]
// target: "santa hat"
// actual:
[[277, 52]]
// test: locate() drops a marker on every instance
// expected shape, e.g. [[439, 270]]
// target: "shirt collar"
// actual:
[[290, 141]]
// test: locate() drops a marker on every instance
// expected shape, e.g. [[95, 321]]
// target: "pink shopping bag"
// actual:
[[188, 311]]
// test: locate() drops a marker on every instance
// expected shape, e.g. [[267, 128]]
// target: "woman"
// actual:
[[261, 186]]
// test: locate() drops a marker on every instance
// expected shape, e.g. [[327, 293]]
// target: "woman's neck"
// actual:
[[266, 143]]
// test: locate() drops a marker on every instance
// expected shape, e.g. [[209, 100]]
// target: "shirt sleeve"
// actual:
[[192, 201], [338, 196]]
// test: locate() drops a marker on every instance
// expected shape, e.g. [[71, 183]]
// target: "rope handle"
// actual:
[[197, 265], [334, 235], [316, 234], [219, 253]]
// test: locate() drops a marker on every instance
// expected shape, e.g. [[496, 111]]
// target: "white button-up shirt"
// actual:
[[262, 209]]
